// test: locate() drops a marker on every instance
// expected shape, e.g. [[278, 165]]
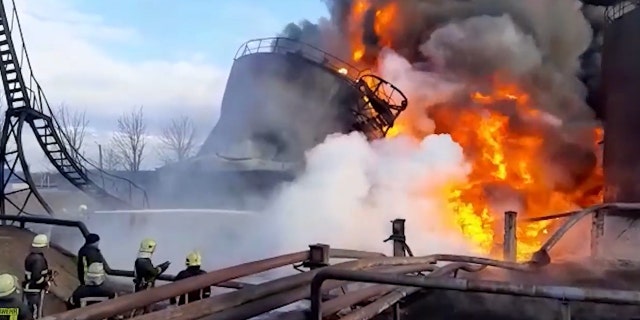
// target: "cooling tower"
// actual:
[[281, 99]]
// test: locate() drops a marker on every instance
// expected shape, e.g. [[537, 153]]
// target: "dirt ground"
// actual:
[[14, 247]]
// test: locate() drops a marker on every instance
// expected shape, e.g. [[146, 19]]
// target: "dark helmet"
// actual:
[[92, 238]]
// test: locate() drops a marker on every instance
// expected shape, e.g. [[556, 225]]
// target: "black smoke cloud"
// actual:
[[561, 34], [444, 50]]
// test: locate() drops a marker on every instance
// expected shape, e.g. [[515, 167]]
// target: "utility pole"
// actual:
[[100, 156]]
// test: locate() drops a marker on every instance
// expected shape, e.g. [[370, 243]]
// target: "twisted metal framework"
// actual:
[[27, 104], [380, 102], [619, 9]]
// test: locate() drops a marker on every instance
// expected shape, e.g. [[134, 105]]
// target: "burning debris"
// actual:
[[503, 79]]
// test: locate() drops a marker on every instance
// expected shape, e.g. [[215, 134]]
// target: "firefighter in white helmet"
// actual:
[[145, 272], [193, 263], [11, 304], [37, 275], [94, 290]]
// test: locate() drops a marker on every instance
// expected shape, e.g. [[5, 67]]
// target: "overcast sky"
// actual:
[[108, 56]]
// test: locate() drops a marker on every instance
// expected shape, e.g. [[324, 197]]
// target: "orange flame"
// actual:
[[502, 161]]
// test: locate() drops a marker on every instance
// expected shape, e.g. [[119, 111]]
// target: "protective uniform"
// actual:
[[93, 291], [37, 274], [193, 263], [11, 306], [145, 272], [88, 254]]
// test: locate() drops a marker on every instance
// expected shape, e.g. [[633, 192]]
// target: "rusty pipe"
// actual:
[[137, 300], [257, 307], [204, 307], [214, 304], [574, 217], [353, 254], [383, 303], [486, 286]]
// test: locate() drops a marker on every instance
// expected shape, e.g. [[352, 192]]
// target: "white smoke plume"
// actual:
[[349, 192], [352, 189]]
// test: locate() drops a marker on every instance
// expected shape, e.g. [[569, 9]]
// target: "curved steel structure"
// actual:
[[284, 96], [27, 104]]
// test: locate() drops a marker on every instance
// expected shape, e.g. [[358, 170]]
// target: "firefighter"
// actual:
[[11, 306], [145, 272], [93, 290], [37, 275], [193, 263], [88, 254]]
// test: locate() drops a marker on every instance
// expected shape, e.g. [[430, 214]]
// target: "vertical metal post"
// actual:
[[318, 256], [509, 245], [100, 156], [565, 310], [597, 231], [398, 237], [396, 311]]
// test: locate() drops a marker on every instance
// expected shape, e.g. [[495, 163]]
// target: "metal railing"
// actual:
[[614, 12], [283, 45]]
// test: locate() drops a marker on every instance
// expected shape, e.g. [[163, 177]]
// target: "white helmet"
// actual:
[[95, 274], [82, 208], [40, 241], [7, 284]]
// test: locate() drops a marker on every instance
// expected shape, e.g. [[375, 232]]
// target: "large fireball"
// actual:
[[521, 157]]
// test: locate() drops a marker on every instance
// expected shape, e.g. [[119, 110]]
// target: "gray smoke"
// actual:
[[566, 33], [444, 50]]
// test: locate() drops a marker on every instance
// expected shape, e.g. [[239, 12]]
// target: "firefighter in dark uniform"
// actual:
[[88, 254], [37, 275], [193, 262], [93, 291], [11, 305], [144, 271]]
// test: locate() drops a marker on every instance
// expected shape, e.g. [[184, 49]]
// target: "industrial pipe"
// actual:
[[387, 301], [204, 307], [281, 299], [486, 286], [542, 255], [141, 299], [217, 303]]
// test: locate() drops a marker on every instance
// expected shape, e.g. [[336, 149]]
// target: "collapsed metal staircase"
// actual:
[[375, 103], [26, 103]]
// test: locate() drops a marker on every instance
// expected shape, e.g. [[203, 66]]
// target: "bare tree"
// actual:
[[110, 159], [178, 139], [74, 125], [129, 140]]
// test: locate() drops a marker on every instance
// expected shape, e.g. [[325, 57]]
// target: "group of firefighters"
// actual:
[[91, 274]]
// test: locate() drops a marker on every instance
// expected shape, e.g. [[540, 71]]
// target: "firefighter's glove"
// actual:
[[164, 266]]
